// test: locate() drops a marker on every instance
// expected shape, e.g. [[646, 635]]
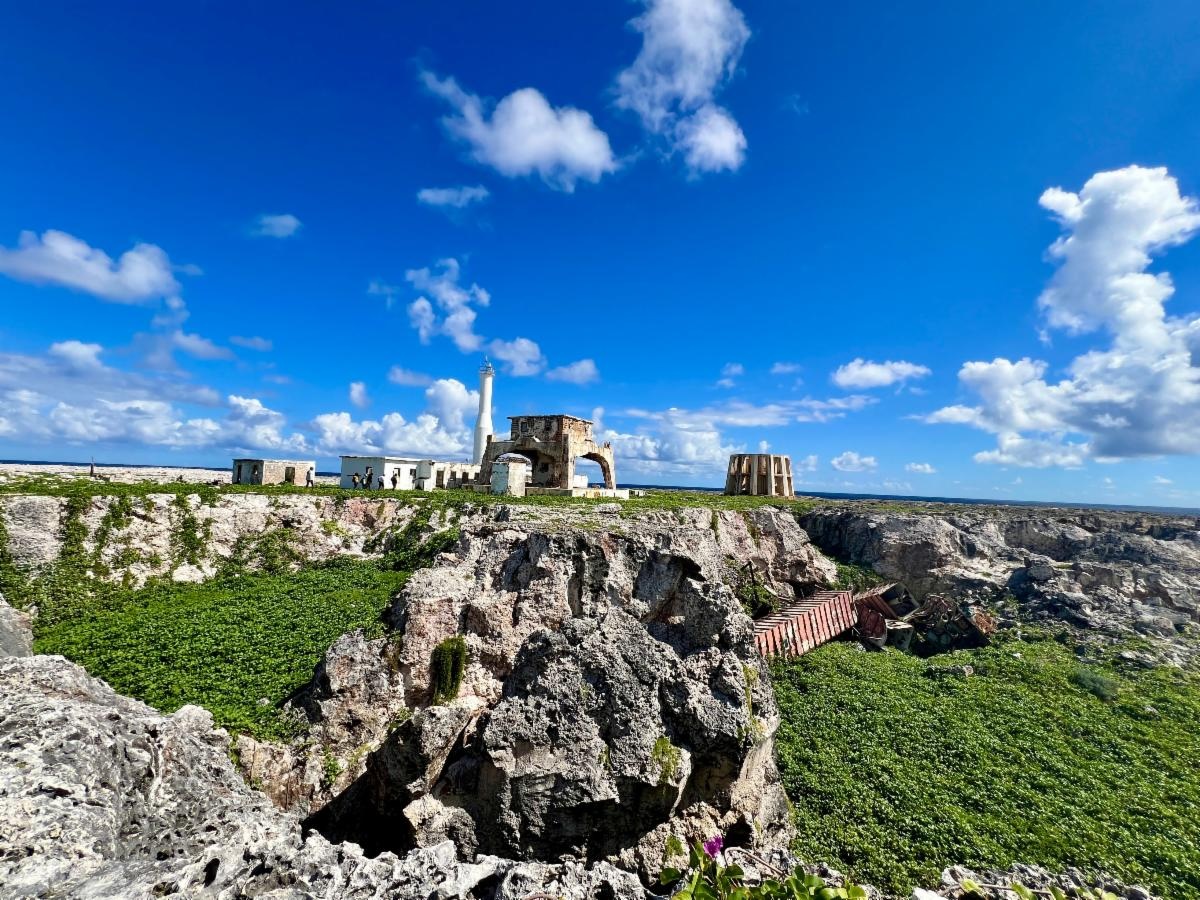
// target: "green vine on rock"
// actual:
[[448, 665], [189, 536]]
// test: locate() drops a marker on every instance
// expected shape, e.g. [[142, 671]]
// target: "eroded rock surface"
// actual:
[[101, 797], [1109, 575], [612, 699], [16, 634]]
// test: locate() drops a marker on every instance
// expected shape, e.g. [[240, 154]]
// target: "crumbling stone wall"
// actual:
[[551, 444]]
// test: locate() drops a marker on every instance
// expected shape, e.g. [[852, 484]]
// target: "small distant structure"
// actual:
[[272, 471], [552, 444], [759, 475], [509, 477], [410, 473], [383, 467]]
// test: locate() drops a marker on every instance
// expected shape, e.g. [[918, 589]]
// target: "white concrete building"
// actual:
[[509, 477], [384, 467], [410, 474]]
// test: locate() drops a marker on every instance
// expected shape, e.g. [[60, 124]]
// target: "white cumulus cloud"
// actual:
[[252, 343], [141, 275], [861, 373], [582, 371], [276, 225], [852, 462], [520, 357], [452, 311], [690, 48], [441, 430], [1140, 394], [921, 468], [408, 378], [525, 135], [358, 394]]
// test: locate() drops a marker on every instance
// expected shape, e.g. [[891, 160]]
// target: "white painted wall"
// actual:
[[381, 466]]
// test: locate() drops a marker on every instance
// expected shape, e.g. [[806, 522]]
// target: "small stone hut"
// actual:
[[272, 471]]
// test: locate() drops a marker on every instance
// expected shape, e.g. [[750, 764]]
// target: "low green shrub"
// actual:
[[855, 577], [447, 666], [1096, 684], [710, 877]]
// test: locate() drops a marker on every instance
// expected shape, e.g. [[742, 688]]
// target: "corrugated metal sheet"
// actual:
[[799, 627]]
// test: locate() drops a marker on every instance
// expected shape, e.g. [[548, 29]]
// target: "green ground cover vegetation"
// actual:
[[237, 645], [898, 768]]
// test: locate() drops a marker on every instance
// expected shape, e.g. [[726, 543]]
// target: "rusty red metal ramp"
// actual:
[[799, 627]]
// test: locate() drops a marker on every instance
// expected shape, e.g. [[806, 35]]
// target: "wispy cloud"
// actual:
[[275, 225], [454, 197]]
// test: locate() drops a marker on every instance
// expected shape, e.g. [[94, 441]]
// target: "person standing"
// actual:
[[354, 480], [395, 479], [369, 478], [308, 479]]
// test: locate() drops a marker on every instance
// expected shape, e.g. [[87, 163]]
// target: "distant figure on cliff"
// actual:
[[354, 479], [380, 485], [308, 479], [395, 479], [369, 478]]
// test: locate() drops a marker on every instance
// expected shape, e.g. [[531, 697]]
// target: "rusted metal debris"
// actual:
[[888, 615], [883, 616], [800, 627]]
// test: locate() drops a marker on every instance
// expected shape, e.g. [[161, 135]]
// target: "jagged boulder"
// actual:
[[101, 797], [612, 698]]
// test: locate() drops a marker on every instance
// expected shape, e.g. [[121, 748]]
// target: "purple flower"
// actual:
[[714, 845]]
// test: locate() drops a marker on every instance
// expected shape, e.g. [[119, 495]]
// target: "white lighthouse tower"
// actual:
[[483, 424]]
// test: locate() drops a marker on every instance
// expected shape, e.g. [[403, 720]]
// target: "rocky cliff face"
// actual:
[[612, 705], [101, 797], [154, 536], [611, 709], [1109, 575]]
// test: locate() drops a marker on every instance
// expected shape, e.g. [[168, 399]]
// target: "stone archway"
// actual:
[[604, 460]]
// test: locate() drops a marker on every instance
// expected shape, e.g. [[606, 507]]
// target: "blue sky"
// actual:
[[940, 249]]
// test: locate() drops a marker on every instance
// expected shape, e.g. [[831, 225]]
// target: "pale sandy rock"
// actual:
[[16, 634], [32, 524], [101, 797]]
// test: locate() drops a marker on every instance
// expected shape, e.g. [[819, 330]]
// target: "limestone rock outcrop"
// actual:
[[1107, 575], [517, 571], [101, 797], [612, 697], [16, 634]]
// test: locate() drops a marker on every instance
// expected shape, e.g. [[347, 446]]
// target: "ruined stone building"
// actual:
[[552, 444], [759, 474], [272, 471]]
